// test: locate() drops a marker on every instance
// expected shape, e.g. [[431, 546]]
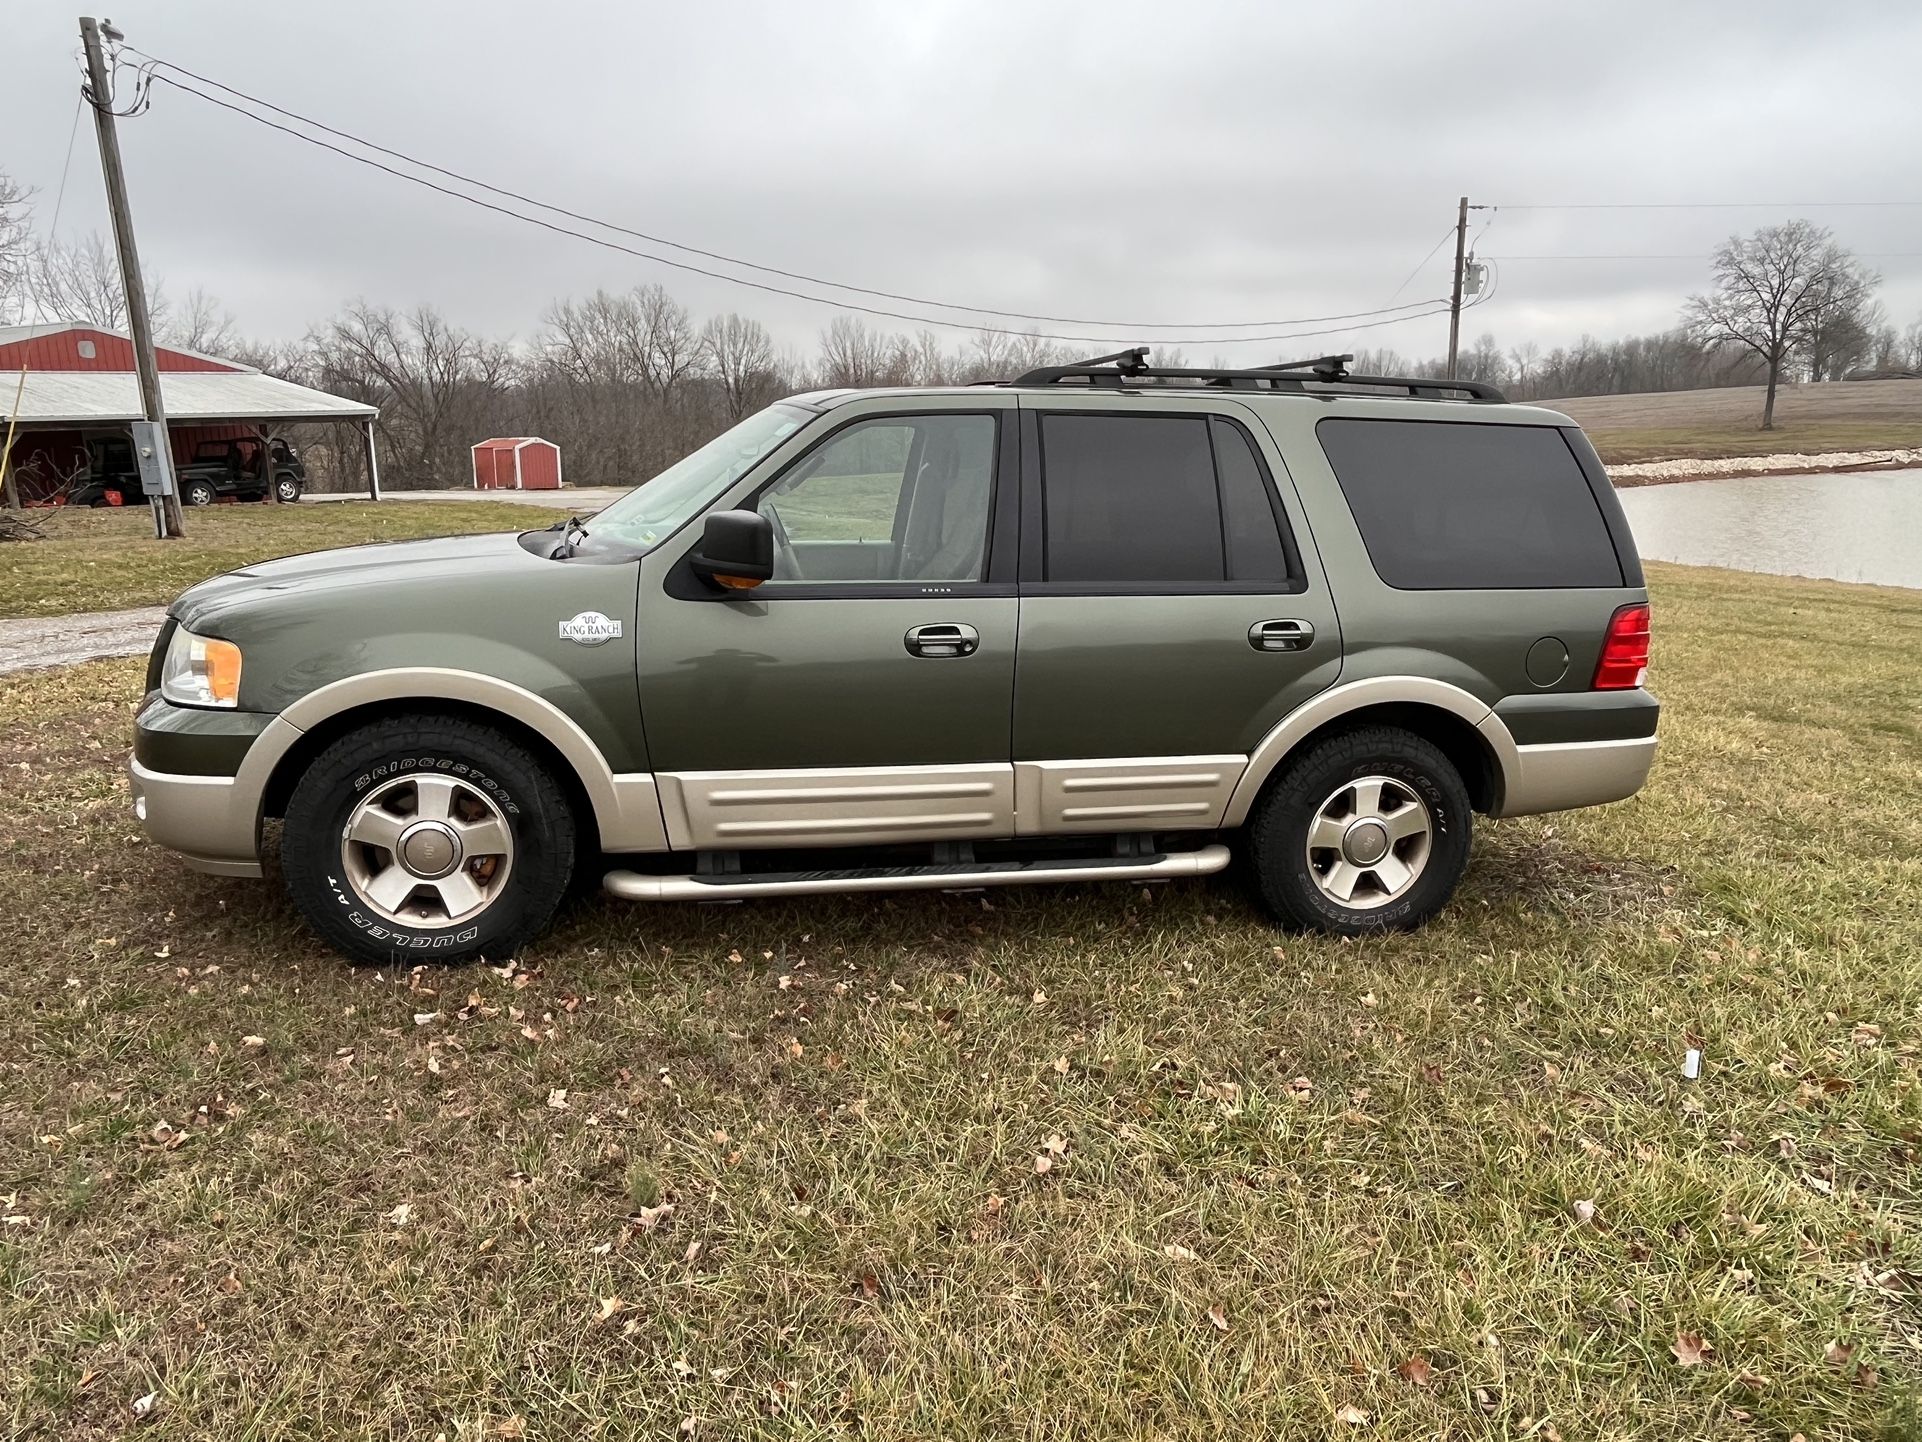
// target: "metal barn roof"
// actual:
[[104, 397]]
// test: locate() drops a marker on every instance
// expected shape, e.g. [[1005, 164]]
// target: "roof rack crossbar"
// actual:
[[1130, 368]]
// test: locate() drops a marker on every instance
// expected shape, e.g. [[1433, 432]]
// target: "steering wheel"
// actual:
[[785, 568]]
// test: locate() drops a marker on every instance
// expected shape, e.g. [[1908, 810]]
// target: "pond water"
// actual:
[[1853, 526]]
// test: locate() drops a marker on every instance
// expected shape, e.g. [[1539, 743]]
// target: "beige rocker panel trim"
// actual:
[[626, 808], [1144, 793], [835, 806], [1338, 701]]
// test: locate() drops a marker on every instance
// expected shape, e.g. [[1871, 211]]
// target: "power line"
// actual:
[[760, 285], [59, 199], [735, 260], [1424, 261], [1698, 255], [1721, 205]]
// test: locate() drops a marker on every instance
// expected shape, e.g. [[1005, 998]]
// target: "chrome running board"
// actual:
[[636, 886]]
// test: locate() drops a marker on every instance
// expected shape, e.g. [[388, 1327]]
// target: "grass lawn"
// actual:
[[105, 560], [1711, 424], [1100, 1161]]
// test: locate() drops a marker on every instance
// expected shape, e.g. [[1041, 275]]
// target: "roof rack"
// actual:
[[1324, 375]]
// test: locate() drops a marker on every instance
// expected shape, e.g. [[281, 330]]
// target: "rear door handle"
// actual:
[[1281, 635], [944, 640]]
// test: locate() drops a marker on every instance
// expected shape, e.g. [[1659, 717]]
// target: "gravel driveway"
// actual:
[[62, 640]]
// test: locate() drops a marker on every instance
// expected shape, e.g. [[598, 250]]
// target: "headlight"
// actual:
[[200, 671]]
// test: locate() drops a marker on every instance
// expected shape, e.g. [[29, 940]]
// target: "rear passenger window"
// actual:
[[1446, 506], [1155, 500]]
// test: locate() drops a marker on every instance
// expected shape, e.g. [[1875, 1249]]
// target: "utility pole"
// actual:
[[1455, 299], [167, 519]]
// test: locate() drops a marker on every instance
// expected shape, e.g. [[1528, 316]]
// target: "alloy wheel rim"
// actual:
[[1369, 842], [427, 850]]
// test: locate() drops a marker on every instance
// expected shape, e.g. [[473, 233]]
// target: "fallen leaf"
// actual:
[[1690, 1350], [426, 1018], [685, 1368], [252, 1043], [1416, 1370], [508, 1427], [1817, 1184], [1754, 1381], [1301, 1088], [1583, 1212], [145, 1407], [609, 1307], [648, 1218], [1179, 1253], [1368, 1000], [1838, 1352], [1352, 1415], [400, 1215], [1043, 1164], [230, 1284], [1061, 1065], [1218, 1317], [870, 1286], [1866, 1377], [1040, 997], [557, 1099], [794, 1047], [1057, 1144], [693, 1251]]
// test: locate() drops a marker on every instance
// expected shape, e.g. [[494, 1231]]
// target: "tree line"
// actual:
[[626, 383]]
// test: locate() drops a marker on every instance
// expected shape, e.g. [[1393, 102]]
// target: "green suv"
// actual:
[[1106, 621]]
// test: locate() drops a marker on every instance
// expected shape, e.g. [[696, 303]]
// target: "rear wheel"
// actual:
[[287, 490], [427, 839], [1367, 831], [198, 493]]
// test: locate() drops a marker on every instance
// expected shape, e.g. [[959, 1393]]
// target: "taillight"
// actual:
[[1624, 662]]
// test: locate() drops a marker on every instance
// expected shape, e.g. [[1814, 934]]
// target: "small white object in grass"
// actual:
[[1692, 1064]]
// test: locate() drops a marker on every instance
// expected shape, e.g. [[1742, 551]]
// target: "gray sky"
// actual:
[[1169, 161]]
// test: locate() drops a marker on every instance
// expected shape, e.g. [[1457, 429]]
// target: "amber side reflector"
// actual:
[[223, 670], [738, 583]]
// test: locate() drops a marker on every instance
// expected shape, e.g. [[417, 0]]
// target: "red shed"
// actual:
[[517, 463]]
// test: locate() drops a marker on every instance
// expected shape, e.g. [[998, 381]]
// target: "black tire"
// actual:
[[287, 489], [197, 493], [1277, 832], [525, 794]]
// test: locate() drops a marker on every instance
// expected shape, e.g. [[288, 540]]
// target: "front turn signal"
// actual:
[[201, 671]]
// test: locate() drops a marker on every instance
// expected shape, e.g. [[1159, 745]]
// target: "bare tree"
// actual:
[[79, 280], [851, 354], [741, 356], [204, 324], [1773, 289], [15, 245], [439, 388]]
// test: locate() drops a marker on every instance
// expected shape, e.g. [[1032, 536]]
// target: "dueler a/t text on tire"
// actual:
[[427, 839], [1366, 831]]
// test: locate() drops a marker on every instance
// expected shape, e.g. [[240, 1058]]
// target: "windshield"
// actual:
[[655, 509]]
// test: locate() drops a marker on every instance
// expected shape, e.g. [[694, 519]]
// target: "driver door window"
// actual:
[[894, 499]]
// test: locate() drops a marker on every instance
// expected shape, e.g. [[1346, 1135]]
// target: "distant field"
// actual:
[[106, 559], [1671, 425]]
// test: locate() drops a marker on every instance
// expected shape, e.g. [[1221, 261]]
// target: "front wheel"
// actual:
[[1368, 831], [198, 493], [427, 839], [287, 490]]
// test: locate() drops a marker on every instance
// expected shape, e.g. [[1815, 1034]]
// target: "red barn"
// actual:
[[80, 389], [517, 463]]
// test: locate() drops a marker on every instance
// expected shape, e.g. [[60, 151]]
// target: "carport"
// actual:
[[80, 387]]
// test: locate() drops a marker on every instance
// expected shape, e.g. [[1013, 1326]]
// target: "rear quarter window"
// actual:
[[1451, 505]]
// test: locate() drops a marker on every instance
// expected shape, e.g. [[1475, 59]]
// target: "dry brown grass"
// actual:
[[1667, 425], [108, 559], [298, 1200]]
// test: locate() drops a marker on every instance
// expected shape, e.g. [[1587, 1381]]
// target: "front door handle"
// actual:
[[1281, 635], [939, 641]]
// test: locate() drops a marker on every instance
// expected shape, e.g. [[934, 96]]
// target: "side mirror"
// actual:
[[737, 550]]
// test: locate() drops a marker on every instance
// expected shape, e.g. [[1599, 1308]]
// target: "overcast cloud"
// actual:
[[1171, 161]]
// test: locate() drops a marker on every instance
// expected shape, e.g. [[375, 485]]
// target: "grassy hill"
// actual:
[[1670, 425]]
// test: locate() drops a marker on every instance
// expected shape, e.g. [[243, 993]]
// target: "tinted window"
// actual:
[[1134, 500], [1453, 506], [1255, 550], [899, 498]]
